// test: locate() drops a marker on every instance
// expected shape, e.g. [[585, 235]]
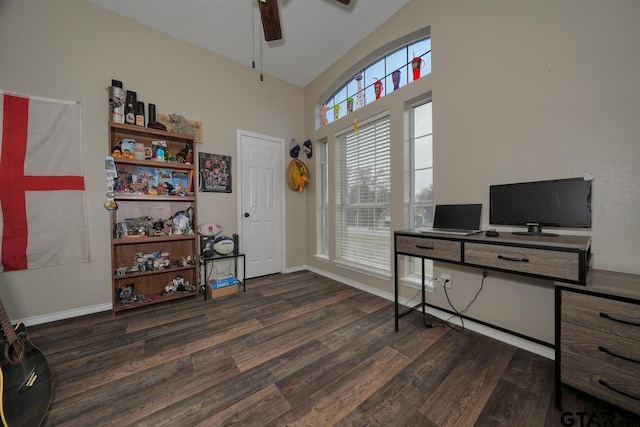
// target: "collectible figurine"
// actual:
[[181, 125], [158, 228], [182, 222]]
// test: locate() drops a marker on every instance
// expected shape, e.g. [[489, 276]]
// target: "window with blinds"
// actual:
[[323, 206], [363, 213]]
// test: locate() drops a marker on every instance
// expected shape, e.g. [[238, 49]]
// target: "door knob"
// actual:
[[246, 214]]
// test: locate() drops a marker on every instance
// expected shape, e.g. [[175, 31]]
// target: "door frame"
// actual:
[[280, 141]]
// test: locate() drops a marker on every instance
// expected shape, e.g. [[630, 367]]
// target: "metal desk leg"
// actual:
[[395, 288], [427, 322], [204, 278], [235, 267], [244, 273]]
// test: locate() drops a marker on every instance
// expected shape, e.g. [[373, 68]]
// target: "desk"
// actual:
[[205, 262], [561, 258]]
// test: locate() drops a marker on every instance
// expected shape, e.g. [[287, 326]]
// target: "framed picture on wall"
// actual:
[[215, 173]]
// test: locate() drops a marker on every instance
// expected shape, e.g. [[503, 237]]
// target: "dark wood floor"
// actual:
[[295, 349]]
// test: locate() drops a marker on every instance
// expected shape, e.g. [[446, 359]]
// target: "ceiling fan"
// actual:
[[271, 18]]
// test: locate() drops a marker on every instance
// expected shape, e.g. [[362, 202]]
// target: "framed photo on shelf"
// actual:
[[215, 173]]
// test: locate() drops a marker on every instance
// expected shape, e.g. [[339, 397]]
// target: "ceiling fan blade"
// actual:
[[345, 1], [270, 19]]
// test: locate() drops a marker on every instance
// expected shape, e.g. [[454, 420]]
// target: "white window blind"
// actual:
[[363, 195], [323, 244]]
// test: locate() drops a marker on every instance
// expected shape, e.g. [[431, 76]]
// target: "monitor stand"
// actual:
[[534, 229]]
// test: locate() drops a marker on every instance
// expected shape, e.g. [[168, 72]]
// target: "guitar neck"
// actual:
[[7, 328]]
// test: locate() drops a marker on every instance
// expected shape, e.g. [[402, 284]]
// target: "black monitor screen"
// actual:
[[555, 203]]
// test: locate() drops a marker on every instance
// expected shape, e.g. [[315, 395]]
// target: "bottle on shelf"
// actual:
[[152, 113], [140, 114], [130, 108]]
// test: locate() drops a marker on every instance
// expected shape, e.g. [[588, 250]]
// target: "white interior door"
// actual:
[[261, 202]]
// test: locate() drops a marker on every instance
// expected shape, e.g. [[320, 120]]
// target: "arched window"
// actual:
[[389, 72]]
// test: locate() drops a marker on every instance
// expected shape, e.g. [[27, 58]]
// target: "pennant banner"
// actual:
[[43, 217]]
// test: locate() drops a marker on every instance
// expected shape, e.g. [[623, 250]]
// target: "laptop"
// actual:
[[461, 220]]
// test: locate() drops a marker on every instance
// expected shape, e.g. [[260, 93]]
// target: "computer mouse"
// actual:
[[492, 233]]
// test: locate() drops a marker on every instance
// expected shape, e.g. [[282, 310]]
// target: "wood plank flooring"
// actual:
[[296, 349]]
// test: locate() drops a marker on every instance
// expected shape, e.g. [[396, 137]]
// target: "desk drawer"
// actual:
[[449, 250], [543, 262], [597, 347], [608, 384], [603, 314]]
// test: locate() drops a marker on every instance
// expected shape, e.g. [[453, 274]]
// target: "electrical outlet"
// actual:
[[445, 280]]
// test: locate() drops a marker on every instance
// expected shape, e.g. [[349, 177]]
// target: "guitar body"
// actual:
[[25, 387]]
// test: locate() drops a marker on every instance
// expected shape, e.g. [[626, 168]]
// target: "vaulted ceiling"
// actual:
[[315, 32]]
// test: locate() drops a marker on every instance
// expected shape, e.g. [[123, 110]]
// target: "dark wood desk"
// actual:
[[562, 258], [597, 320]]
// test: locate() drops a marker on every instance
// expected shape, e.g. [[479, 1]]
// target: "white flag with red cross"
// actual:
[[43, 217]]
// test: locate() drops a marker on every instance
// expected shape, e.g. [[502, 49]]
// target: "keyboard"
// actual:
[[456, 232]]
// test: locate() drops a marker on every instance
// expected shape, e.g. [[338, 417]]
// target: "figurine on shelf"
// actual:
[[185, 155], [136, 187], [181, 125], [178, 284], [161, 189], [181, 222], [158, 227], [186, 287], [161, 263], [172, 286], [125, 291]]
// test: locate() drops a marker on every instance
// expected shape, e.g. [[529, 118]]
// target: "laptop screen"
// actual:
[[460, 217]]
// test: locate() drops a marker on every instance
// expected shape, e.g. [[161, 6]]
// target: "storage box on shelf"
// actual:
[[150, 263], [214, 287], [221, 292]]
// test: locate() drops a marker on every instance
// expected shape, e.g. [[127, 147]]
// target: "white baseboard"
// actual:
[[67, 314], [485, 330], [297, 268]]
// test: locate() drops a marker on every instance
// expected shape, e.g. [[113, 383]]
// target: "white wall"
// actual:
[[522, 91], [71, 49]]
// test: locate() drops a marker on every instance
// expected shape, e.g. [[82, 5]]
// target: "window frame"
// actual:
[[413, 265], [322, 203], [347, 80]]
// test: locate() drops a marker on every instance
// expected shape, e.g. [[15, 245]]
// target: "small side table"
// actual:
[[207, 262]]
